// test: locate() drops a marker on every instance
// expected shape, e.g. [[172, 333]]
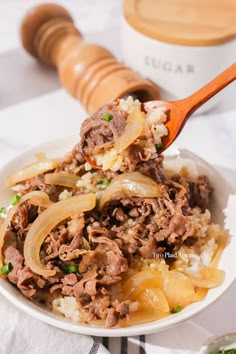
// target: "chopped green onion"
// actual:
[[107, 117], [102, 181], [3, 210], [227, 351], [6, 268], [14, 200], [158, 146], [70, 268], [176, 309]]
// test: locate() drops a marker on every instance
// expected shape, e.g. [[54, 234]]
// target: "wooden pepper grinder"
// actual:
[[89, 72]]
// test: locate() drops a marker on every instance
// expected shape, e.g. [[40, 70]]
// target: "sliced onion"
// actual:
[[36, 198], [153, 299], [45, 222], [42, 165], [178, 288], [222, 240], [200, 294], [133, 129], [133, 184], [139, 282], [210, 278], [61, 179]]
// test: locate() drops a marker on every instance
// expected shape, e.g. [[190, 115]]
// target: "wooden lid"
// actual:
[[184, 22]]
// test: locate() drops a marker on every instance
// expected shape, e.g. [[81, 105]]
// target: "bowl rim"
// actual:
[[20, 301]]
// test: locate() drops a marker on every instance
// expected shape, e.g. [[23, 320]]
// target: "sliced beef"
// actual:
[[53, 243], [28, 283], [198, 192], [101, 307], [112, 318], [73, 250], [73, 162], [149, 248], [153, 168], [176, 233], [155, 224], [37, 183], [70, 279], [13, 256], [98, 134], [80, 289], [25, 280]]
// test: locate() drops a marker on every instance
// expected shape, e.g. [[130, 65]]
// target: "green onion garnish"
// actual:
[[158, 146], [3, 210], [102, 181], [227, 351], [14, 200], [176, 309], [107, 117], [6, 268], [70, 268]]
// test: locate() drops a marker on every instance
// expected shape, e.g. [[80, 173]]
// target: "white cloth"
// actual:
[[21, 334]]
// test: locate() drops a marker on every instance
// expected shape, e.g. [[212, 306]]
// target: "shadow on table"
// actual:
[[23, 78]]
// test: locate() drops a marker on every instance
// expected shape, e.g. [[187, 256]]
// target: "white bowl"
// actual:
[[215, 343], [228, 261]]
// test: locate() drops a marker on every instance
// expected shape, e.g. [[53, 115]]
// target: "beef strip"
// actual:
[[73, 250], [157, 223], [21, 275], [198, 191], [153, 168], [37, 183], [98, 134], [73, 162]]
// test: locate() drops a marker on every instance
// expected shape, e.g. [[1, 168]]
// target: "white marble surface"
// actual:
[[33, 109]]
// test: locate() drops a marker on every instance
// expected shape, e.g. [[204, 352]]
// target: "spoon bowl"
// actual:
[[178, 112]]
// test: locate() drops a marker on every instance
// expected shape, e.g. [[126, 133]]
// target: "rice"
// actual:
[[65, 195], [129, 104], [87, 182], [110, 160], [156, 120], [66, 306], [182, 166]]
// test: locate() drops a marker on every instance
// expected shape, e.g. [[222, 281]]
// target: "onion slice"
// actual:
[[32, 170], [36, 198], [133, 129], [45, 222], [61, 179], [153, 299], [222, 239], [133, 184], [210, 278]]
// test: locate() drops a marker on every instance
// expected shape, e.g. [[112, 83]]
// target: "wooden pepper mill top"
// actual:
[[89, 72]]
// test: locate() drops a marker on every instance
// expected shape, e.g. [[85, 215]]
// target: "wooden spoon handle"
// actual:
[[191, 103]]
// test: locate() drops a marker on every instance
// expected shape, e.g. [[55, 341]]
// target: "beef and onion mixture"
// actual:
[[112, 234]]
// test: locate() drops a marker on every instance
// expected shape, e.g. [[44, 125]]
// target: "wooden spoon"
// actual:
[[180, 111]]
